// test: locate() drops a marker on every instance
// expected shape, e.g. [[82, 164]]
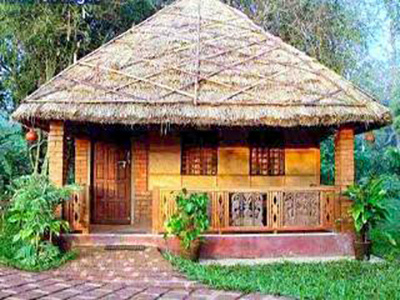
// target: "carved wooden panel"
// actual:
[[275, 209], [247, 209], [74, 210], [167, 206], [327, 208], [301, 208], [217, 210], [268, 210]]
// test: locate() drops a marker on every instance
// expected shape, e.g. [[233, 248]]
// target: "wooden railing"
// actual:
[[75, 210], [277, 209]]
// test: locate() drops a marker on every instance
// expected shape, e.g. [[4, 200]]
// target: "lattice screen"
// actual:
[[267, 154], [199, 155]]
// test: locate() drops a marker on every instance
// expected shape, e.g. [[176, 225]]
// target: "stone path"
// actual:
[[99, 274]]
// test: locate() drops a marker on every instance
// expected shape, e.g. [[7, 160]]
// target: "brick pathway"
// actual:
[[110, 275]]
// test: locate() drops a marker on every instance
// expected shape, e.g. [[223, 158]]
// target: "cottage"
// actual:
[[199, 97]]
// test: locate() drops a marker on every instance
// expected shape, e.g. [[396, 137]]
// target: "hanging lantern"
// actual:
[[370, 137], [31, 135]]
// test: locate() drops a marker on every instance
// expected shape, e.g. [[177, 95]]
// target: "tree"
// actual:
[[393, 13], [38, 39], [330, 30], [14, 159]]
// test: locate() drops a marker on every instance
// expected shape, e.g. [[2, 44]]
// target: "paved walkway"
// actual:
[[100, 274]]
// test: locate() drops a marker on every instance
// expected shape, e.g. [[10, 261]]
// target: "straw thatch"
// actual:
[[201, 62]]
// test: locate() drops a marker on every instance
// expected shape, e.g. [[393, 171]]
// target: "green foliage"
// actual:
[[332, 31], [14, 159], [328, 162], [386, 235], [329, 280], [378, 160], [38, 39], [190, 219], [29, 225], [368, 208]]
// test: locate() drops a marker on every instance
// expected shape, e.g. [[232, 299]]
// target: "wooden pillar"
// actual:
[[82, 178], [56, 156], [57, 163], [344, 175], [143, 199], [344, 157]]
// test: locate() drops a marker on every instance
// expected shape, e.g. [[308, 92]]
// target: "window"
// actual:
[[267, 154], [199, 154]]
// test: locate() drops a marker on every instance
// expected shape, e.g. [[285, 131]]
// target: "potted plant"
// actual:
[[188, 222], [367, 211]]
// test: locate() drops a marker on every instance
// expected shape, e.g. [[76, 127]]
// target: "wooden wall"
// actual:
[[302, 166]]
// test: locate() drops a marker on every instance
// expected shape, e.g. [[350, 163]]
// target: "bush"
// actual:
[[29, 225], [190, 219], [368, 209], [14, 158]]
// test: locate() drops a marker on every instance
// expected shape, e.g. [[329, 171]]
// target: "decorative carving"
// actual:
[[247, 209], [327, 216], [268, 210], [167, 206], [301, 208], [274, 216], [73, 211], [218, 210]]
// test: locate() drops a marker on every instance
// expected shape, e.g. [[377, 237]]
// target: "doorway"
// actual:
[[111, 183]]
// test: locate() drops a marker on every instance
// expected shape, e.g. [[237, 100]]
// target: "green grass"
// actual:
[[329, 280]]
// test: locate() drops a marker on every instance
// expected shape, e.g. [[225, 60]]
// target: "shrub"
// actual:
[[368, 208], [14, 160], [29, 225], [190, 219]]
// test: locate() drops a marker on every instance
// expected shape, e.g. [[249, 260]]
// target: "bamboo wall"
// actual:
[[302, 166]]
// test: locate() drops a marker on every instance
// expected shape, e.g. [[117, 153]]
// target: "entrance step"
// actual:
[[323, 244]]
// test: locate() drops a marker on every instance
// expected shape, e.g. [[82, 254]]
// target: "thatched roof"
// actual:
[[201, 62]]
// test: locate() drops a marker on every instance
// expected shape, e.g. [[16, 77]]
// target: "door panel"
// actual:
[[112, 190]]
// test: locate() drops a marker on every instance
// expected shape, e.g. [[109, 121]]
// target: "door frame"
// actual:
[[92, 201], [133, 189]]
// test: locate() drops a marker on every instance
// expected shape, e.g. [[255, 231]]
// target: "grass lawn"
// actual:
[[329, 280]]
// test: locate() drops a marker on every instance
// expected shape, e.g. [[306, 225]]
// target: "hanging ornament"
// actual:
[[31, 135], [370, 137]]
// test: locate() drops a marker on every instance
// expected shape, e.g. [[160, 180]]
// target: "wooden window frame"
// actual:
[[270, 154], [206, 144]]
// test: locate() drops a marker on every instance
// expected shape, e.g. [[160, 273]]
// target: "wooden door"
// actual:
[[112, 184]]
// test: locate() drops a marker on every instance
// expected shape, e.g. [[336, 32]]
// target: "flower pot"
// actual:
[[193, 252], [362, 250]]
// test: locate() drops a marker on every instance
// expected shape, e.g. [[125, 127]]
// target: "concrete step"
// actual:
[[322, 244]]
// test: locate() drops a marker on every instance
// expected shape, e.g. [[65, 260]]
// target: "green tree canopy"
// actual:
[[38, 40]]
